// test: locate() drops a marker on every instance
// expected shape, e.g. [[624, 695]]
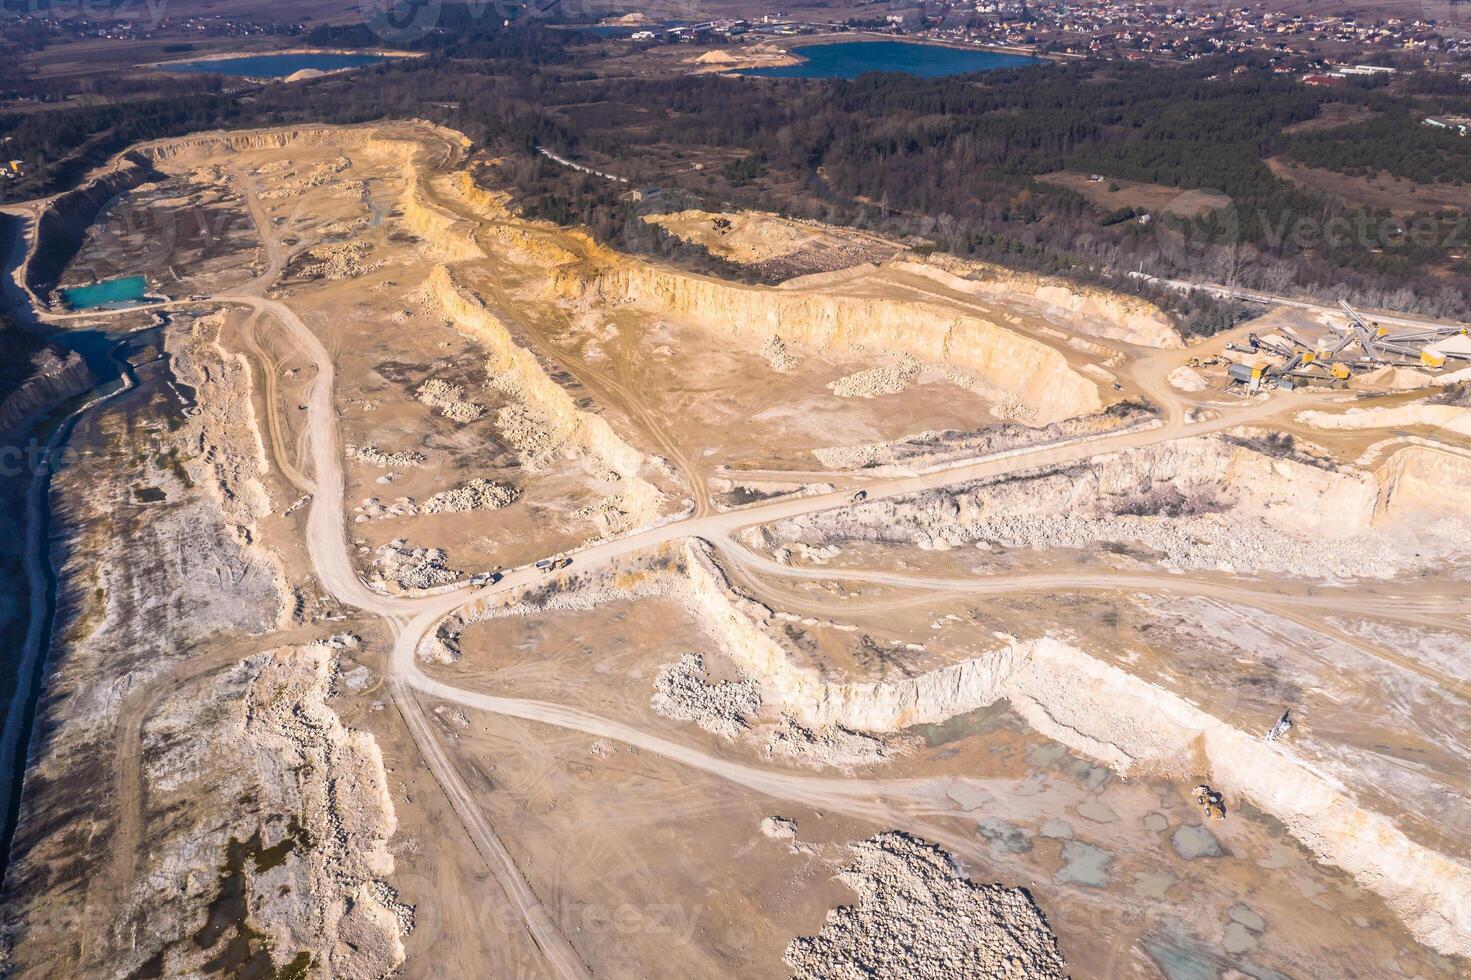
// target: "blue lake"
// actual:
[[276, 65], [849, 59], [129, 289]]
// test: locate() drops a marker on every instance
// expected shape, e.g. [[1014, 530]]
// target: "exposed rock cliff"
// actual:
[[450, 237], [1038, 376], [518, 372], [1103, 312], [1196, 503], [1127, 723], [35, 378], [63, 223]]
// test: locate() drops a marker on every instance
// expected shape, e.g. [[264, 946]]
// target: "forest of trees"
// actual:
[[948, 161], [1397, 142]]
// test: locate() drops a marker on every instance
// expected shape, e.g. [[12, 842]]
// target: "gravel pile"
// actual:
[[919, 917], [535, 436], [831, 745], [374, 456], [887, 380], [450, 400], [682, 691], [1211, 541], [777, 355], [476, 494], [413, 568], [343, 260]]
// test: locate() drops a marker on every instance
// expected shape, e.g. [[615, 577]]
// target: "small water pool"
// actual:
[[275, 65], [108, 292]]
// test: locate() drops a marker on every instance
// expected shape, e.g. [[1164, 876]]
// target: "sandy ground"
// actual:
[[1040, 505]]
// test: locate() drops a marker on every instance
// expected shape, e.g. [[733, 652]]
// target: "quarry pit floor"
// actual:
[[874, 517]]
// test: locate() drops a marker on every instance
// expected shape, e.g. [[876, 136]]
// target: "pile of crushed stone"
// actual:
[[342, 260], [413, 568], [450, 400], [375, 456], [682, 691], [918, 916], [777, 355], [831, 745], [887, 380], [536, 437], [476, 494]]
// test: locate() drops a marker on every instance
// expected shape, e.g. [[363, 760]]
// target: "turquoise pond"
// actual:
[[849, 59], [276, 65], [129, 289]]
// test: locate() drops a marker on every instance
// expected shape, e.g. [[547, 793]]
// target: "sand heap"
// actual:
[[919, 917]]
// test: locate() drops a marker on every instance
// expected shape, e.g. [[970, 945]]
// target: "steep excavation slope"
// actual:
[[1121, 720], [1039, 377], [1420, 482], [451, 238], [1098, 311], [520, 374], [1099, 710], [1206, 503]]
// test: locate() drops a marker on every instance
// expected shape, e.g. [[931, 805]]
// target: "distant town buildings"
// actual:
[[1135, 30]]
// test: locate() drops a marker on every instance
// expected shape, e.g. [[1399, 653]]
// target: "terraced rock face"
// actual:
[[826, 319], [464, 592]]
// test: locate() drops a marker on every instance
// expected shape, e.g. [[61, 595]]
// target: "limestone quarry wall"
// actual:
[[1105, 313], [591, 432], [1419, 482], [190, 148], [55, 376], [813, 698], [1177, 479], [1131, 724], [1037, 375], [1122, 721], [450, 237], [62, 225]]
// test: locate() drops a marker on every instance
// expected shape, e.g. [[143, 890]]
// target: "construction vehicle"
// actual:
[[859, 496], [1210, 802]]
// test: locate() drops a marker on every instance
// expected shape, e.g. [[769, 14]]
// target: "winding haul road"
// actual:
[[411, 618]]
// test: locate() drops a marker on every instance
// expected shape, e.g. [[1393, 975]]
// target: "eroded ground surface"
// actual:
[[907, 593]]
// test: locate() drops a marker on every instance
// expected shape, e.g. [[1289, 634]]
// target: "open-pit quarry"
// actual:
[[449, 594]]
